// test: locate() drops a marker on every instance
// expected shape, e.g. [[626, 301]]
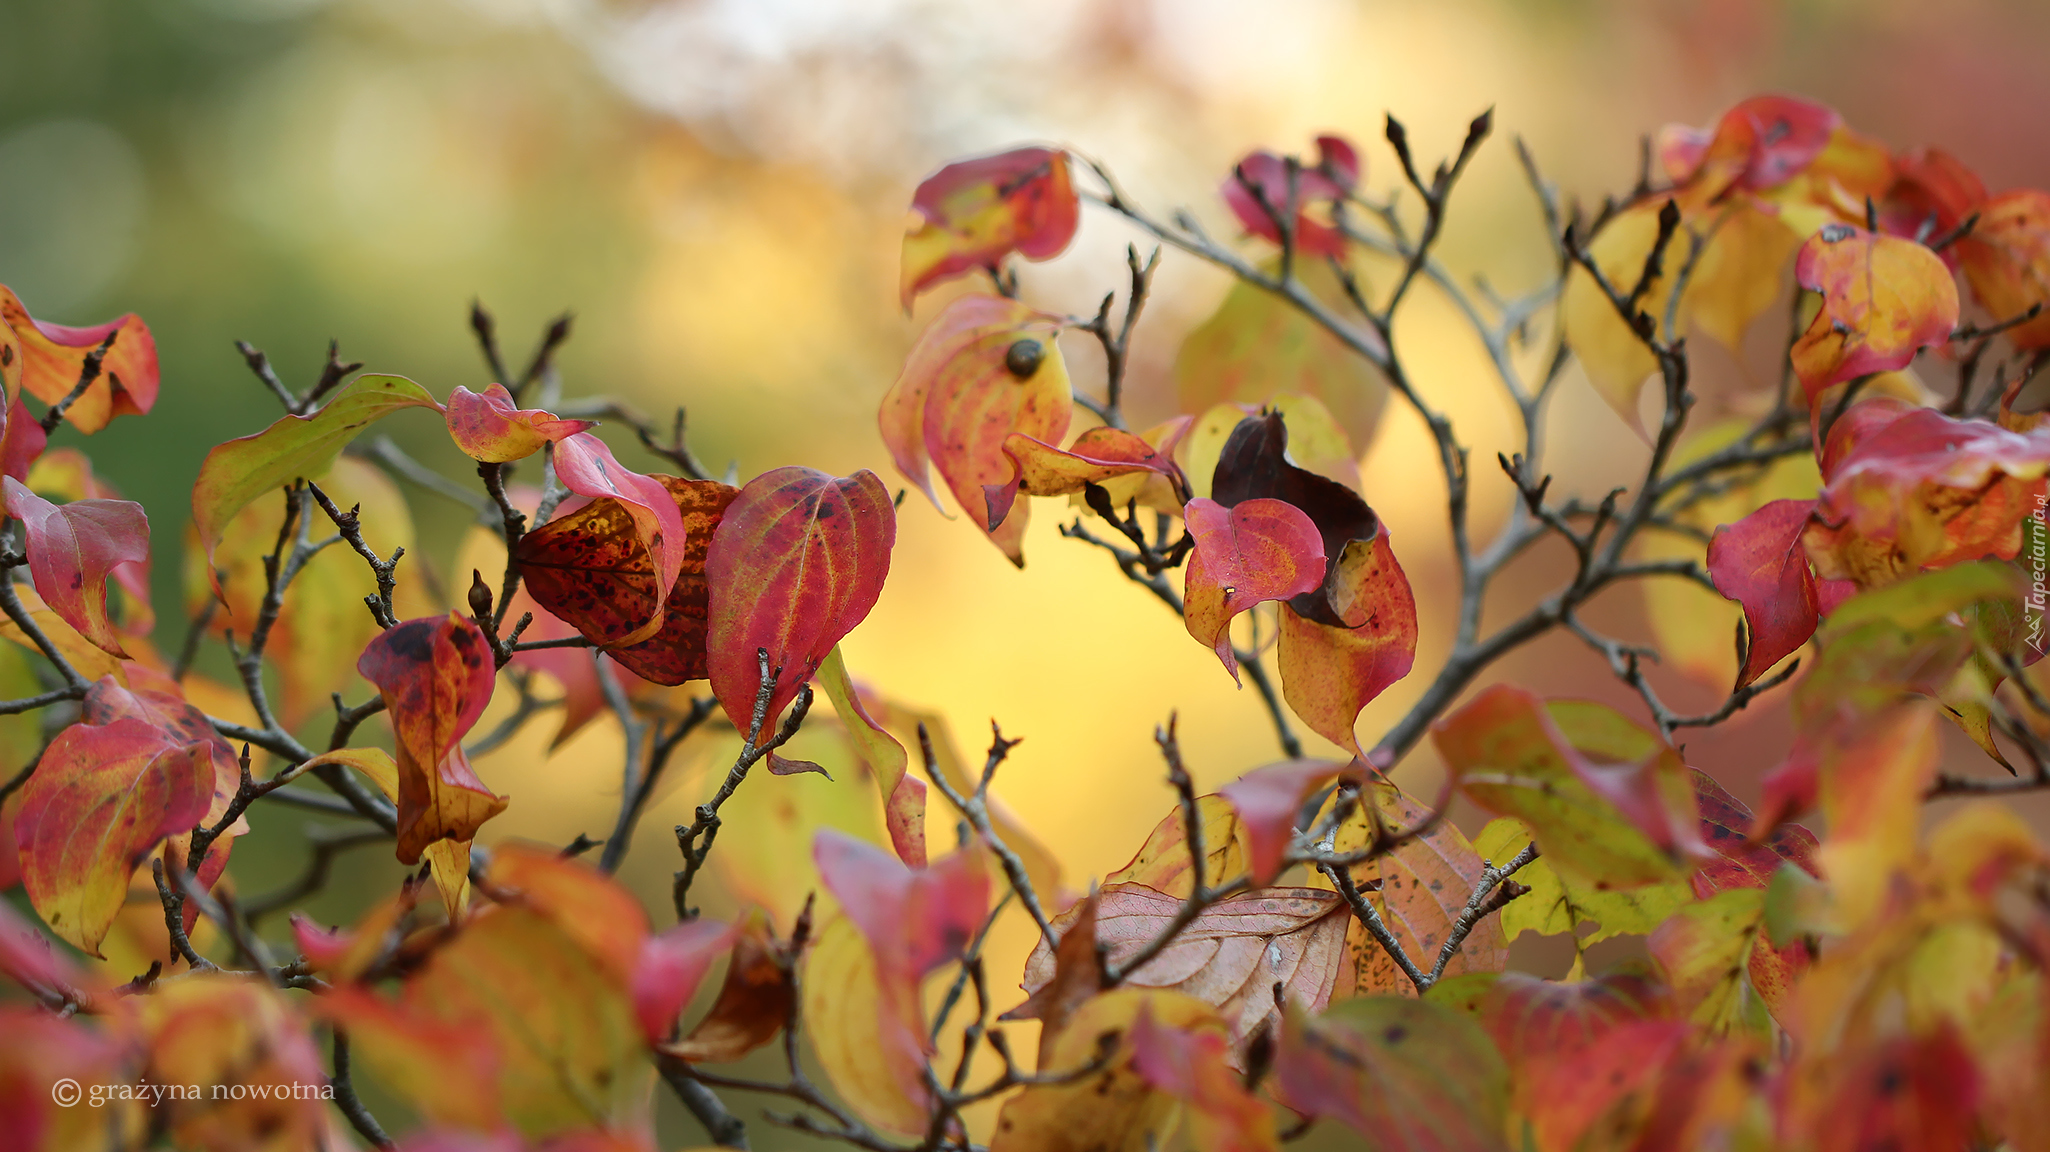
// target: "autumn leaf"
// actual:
[[1871, 787], [754, 1002], [1230, 956], [973, 213], [1915, 489], [1116, 1109], [985, 369], [914, 919], [585, 466], [869, 1036], [44, 1049], [1097, 456], [1420, 888], [903, 794], [569, 1044], [1761, 563], [1078, 977], [1315, 441], [1606, 798], [1256, 551], [1258, 348], [1883, 300], [294, 447], [1904, 1091], [1265, 189], [489, 426], [88, 659], [1704, 950], [446, 1068], [219, 1032], [1742, 862], [591, 569], [1576, 1050], [1189, 1064], [1254, 465], [101, 799], [53, 359], [1162, 862], [436, 676], [1329, 674], [798, 560], [22, 441], [73, 548], [1932, 193], [1561, 903], [2006, 259], [1268, 801], [1410, 1075], [671, 966]]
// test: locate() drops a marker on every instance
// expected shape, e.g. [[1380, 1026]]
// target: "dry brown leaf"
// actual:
[[1230, 957], [753, 1003]]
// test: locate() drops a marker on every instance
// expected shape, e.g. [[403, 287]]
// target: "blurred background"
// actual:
[[717, 190]]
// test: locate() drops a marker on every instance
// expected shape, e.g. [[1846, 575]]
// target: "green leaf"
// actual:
[[1558, 904], [1705, 951], [245, 468]]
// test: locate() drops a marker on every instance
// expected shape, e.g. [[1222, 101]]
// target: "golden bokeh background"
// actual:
[[717, 188]]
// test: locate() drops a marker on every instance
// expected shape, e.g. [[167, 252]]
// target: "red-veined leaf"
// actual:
[[436, 676], [973, 213], [73, 548], [53, 358], [489, 426], [1258, 550], [797, 562]]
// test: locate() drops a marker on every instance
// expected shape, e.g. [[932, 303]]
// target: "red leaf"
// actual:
[[590, 569], [1741, 862], [1258, 193], [1040, 469], [1760, 563], [1934, 190], [53, 358], [585, 466], [21, 441], [1883, 300], [492, 428], [1269, 799], [754, 1002], [985, 369], [1255, 465], [102, 798], [1190, 1064], [973, 213], [73, 548], [672, 965], [797, 562], [435, 674], [1328, 674], [1919, 1092], [2006, 259], [28, 958], [1408, 1075], [914, 921], [1761, 143], [1256, 551]]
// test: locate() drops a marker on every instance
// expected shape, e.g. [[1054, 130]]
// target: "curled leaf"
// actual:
[[1256, 551], [1883, 300], [985, 369], [585, 466], [753, 1004], [436, 676], [489, 426], [52, 358], [73, 548], [973, 213], [1097, 456]]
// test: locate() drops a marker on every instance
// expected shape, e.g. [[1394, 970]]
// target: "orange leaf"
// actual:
[[1189, 1064], [1883, 300], [1113, 1110], [1077, 978], [1328, 674], [436, 676], [2006, 259], [53, 358], [260, 1081], [1162, 862], [798, 560], [985, 369], [1420, 889], [1097, 456], [973, 213]]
